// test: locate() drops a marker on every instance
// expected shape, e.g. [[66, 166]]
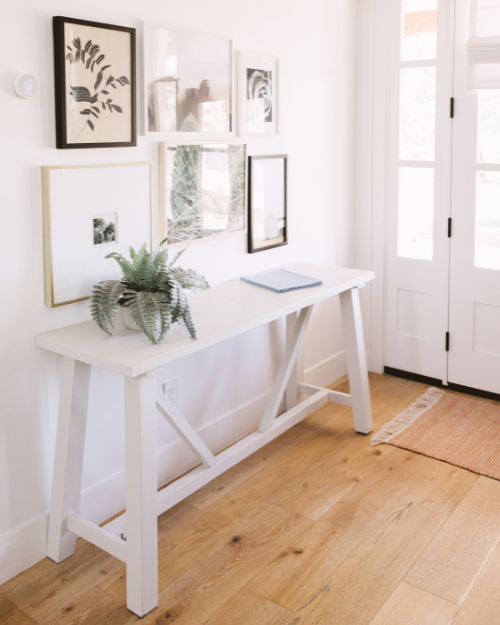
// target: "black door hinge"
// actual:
[[452, 107], [447, 341], [449, 227]]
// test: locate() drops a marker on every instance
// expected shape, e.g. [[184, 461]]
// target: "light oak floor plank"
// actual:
[[248, 607], [482, 606], [367, 577], [413, 606], [455, 558], [12, 615], [208, 587], [316, 528], [48, 587]]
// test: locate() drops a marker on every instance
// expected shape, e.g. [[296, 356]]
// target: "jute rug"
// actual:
[[450, 427]]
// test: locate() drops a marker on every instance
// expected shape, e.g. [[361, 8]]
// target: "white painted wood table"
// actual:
[[222, 312]]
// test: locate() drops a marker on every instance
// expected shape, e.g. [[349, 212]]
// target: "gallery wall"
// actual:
[[223, 389]]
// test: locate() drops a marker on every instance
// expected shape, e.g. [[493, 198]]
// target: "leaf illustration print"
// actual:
[[91, 57]]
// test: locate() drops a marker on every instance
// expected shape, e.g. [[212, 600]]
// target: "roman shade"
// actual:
[[483, 45]]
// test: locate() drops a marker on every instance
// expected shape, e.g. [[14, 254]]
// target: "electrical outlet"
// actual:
[[171, 390]]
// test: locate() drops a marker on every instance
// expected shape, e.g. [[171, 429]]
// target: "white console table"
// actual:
[[222, 312]]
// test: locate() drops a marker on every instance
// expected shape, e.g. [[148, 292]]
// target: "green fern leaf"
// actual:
[[104, 303]]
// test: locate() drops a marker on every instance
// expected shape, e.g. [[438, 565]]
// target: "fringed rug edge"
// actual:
[[408, 416]]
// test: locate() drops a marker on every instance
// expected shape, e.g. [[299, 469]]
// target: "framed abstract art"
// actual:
[[258, 80], [188, 85], [202, 191], [267, 202], [95, 84], [88, 212]]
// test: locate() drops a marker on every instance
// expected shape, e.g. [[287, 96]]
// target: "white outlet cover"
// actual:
[[171, 387]]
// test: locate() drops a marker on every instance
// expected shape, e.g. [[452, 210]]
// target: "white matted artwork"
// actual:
[[188, 84], [203, 190], [88, 212], [258, 80]]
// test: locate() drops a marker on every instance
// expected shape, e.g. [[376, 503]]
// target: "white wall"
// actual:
[[223, 389]]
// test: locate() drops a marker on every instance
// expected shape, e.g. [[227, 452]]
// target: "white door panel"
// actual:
[[474, 356], [419, 188]]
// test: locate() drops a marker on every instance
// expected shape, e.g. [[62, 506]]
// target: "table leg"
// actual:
[[292, 388], [141, 485], [67, 480], [356, 361]]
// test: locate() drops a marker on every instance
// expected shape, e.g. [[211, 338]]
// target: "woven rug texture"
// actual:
[[454, 428]]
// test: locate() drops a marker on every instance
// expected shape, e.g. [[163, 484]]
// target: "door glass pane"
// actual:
[[488, 126], [487, 240], [418, 113], [419, 30], [415, 212]]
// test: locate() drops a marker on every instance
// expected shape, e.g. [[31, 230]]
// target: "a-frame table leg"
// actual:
[[141, 486], [356, 361], [292, 387], [67, 481]]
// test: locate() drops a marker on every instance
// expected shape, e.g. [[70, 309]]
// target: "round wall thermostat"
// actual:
[[25, 86]]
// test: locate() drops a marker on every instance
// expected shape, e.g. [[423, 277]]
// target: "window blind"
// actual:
[[483, 45]]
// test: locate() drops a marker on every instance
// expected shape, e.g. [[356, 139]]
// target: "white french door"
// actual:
[[443, 292], [474, 322], [419, 186]]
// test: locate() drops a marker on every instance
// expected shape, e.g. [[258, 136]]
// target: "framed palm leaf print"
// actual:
[[95, 84]]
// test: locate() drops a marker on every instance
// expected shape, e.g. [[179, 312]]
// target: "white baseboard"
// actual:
[[26, 545], [23, 547], [328, 370]]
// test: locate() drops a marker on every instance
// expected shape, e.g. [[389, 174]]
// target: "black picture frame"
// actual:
[[62, 51], [253, 247]]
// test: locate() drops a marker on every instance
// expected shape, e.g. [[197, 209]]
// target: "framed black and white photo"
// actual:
[[202, 191], [95, 84], [258, 100], [188, 86], [88, 212], [267, 197]]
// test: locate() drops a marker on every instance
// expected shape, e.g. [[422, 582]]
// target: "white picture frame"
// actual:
[[258, 75], [200, 66], [119, 196], [220, 207]]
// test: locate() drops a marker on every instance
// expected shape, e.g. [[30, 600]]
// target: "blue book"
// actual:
[[282, 281]]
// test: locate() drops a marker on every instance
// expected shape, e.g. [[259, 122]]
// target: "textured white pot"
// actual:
[[124, 314]]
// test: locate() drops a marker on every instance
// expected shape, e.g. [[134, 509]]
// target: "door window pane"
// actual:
[[416, 212], [418, 113], [487, 239], [419, 30], [488, 126]]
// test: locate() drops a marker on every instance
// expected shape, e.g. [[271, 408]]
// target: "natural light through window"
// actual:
[[418, 113], [487, 232], [419, 30], [417, 128]]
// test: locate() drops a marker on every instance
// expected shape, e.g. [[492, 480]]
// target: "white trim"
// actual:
[[371, 186]]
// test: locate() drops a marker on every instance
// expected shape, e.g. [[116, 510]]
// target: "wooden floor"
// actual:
[[317, 528]]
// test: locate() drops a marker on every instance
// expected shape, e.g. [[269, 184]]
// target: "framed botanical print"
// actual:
[[188, 85], [258, 95], [203, 191], [267, 198], [88, 212], [95, 84]]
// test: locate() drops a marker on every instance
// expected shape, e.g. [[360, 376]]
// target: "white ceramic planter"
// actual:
[[124, 314]]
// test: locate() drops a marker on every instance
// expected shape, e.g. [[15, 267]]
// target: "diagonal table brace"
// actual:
[[175, 418], [285, 370]]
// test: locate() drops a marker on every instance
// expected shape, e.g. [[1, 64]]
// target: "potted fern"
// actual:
[[150, 297]]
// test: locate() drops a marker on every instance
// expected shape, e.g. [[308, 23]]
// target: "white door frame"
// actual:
[[373, 183]]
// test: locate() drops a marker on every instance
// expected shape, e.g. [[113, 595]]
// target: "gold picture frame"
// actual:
[[62, 225]]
